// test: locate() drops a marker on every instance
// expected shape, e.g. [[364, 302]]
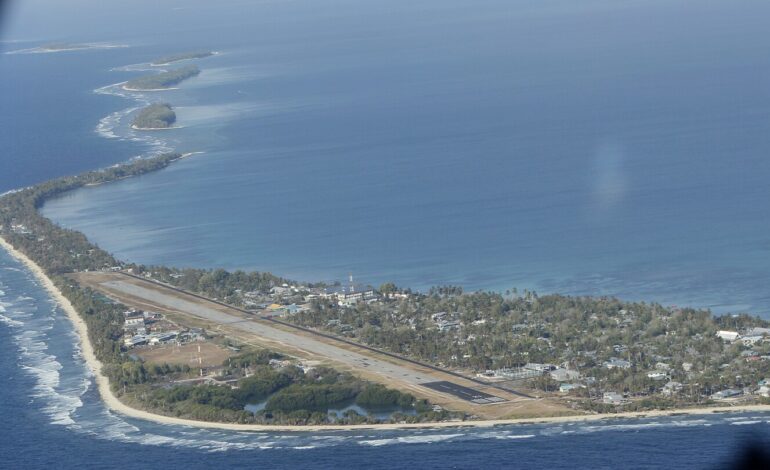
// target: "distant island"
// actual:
[[169, 59], [64, 46], [163, 80], [155, 116]]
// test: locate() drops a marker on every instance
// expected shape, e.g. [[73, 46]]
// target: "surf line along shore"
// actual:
[[114, 404]]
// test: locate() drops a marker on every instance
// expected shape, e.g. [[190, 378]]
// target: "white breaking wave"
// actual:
[[502, 435], [10, 191], [742, 418], [48, 350], [107, 124], [143, 67], [602, 427], [418, 439], [115, 125], [9, 321], [32, 326]]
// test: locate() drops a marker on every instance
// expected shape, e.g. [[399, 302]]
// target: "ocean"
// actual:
[[53, 418], [618, 148], [600, 147]]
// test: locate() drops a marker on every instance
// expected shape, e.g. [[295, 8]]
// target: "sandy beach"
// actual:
[[78, 47], [147, 89], [165, 64], [155, 128], [116, 405]]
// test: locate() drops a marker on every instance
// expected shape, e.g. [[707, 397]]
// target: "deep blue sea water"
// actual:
[[612, 148], [594, 147], [53, 418]]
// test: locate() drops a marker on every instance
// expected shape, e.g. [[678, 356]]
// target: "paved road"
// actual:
[[465, 393], [314, 348], [334, 338]]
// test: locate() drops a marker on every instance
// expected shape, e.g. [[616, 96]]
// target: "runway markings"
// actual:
[[466, 393]]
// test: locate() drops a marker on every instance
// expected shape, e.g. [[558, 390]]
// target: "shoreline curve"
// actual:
[[114, 404]]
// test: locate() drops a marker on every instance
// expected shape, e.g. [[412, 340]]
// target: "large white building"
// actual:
[[728, 335], [613, 398]]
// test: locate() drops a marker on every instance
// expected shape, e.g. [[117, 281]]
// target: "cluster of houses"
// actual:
[[20, 229], [762, 389], [527, 371], [283, 363], [750, 337], [570, 379], [616, 363], [150, 329], [614, 398], [671, 388], [291, 299], [445, 321]]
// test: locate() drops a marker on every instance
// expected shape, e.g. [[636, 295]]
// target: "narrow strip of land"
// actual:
[[460, 392], [532, 417], [331, 337]]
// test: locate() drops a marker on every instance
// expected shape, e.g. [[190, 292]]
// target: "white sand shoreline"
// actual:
[[166, 64], [148, 89], [79, 47], [155, 128], [112, 402]]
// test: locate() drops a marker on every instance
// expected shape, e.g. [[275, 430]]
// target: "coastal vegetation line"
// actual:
[[262, 329], [597, 355], [294, 396], [169, 59], [163, 80], [112, 402], [61, 251], [154, 116]]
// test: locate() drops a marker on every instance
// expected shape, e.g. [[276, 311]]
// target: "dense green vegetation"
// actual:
[[378, 395], [163, 80], [130, 373], [488, 331], [215, 283], [58, 250], [179, 57], [155, 116], [63, 46], [497, 331], [294, 396]]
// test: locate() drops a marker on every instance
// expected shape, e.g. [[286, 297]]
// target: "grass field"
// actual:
[[211, 354]]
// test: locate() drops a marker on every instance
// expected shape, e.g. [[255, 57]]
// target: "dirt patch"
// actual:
[[210, 354]]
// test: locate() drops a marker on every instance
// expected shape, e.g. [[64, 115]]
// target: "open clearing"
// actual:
[[210, 354]]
